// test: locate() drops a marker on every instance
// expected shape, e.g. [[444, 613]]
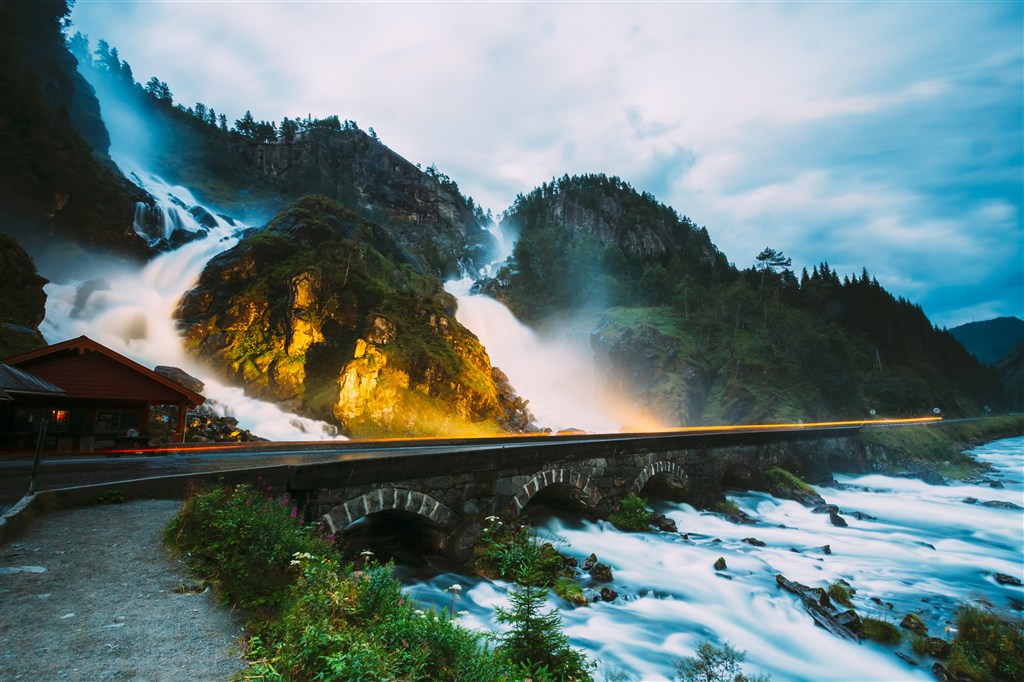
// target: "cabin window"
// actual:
[[29, 420], [117, 421]]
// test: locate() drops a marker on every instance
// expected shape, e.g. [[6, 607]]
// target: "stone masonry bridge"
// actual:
[[452, 491]]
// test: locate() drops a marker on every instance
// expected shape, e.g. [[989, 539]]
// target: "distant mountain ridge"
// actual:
[[990, 340]]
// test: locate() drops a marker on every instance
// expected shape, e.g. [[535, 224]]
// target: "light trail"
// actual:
[[206, 448]]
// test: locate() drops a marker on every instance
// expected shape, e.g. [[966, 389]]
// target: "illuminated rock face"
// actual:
[[325, 312]]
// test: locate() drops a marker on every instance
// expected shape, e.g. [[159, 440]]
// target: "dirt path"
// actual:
[[90, 594]]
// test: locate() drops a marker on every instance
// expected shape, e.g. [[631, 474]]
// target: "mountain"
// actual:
[[682, 334], [253, 172], [335, 308], [325, 311], [60, 194], [990, 340]]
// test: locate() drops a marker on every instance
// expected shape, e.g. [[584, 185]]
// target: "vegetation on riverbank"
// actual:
[[941, 447], [315, 617]]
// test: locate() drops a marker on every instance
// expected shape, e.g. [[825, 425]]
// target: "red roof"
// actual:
[[87, 369]]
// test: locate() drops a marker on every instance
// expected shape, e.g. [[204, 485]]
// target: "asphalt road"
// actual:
[[64, 471]]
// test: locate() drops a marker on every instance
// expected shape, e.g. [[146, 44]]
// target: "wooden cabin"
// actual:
[[93, 398]]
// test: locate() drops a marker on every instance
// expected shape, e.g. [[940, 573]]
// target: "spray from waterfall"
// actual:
[[557, 374], [130, 309]]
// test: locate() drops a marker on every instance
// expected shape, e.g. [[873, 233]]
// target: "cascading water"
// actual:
[[557, 375], [923, 548], [130, 309]]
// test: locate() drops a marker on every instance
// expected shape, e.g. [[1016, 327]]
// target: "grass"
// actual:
[[727, 507], [881, 631], [840, 593], [986, 647], [939, 447]]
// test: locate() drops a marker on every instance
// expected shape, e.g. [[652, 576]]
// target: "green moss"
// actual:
[[727, 507], [782, 480], [881, 631], [570, 590]]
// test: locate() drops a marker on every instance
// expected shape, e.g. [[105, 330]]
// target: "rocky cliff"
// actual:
[[326, 311], [22, 300], [424, 210], [59, 193]]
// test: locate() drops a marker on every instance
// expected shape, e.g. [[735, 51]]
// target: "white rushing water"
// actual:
[[557, 375], [130, 308], [925, 551]]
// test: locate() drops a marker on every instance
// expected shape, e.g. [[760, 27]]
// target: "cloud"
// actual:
[[885, 135]]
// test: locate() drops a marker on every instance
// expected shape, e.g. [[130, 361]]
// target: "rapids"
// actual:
[[130, 308], [925, 551]]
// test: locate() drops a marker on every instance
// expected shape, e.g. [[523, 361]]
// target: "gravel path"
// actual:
[[90, 594]]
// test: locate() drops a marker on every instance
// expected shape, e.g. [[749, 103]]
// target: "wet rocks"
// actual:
[[602, 573], [179, 376], [913, 622], [720, 564], [1004, 579], [754, 541], [608, 594], [663, 523], [818, 604], [837, 520]]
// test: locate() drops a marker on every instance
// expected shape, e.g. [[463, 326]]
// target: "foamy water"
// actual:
[[130, 309], [926, 551]]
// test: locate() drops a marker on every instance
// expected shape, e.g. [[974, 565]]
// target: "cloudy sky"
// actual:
[[880, 135]]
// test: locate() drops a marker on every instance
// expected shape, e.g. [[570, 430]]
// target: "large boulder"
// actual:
[[327, 313]]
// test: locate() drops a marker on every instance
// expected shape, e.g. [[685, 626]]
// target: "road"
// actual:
[[63, 471]]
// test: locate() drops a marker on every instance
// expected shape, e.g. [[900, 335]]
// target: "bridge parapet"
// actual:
[[455, 491]]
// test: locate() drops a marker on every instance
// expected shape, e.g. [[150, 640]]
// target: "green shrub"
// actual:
[[715, 664], [243, 541], [510, 551], [881, 631], [632, 514], [986, 647], [535, 640], [343, 625]]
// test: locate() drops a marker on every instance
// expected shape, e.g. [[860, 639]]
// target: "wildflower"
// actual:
[[295, 512], [366, 553], [462, 613], [454, 588]]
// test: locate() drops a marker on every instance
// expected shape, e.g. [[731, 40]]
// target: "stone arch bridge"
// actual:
[[452, 490]]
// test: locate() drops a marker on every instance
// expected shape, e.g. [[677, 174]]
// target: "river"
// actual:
[[919, 547]]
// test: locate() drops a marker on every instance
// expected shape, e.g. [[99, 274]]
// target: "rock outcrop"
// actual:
[[424, 210], [22, 300], [327, 313], [648, 367]]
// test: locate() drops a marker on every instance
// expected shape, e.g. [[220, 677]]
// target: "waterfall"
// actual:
[[922, 548], [130, 308], [557, 375]]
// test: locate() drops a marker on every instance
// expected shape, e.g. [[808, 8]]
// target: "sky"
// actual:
[[878, 135]]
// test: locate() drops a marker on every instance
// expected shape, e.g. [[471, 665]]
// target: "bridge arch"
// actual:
[[390, 499], [663, 467], [587, 491]]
